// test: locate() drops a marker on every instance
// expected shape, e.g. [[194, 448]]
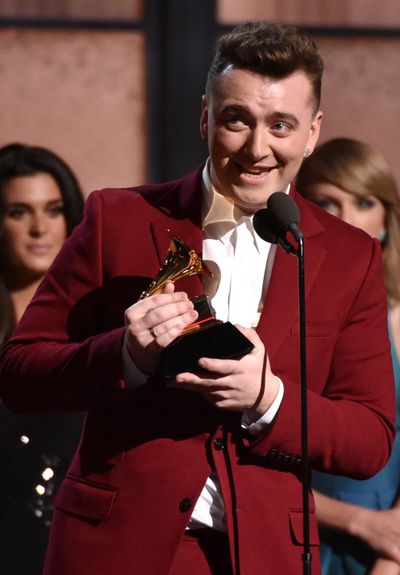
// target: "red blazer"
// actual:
[[145, 455]]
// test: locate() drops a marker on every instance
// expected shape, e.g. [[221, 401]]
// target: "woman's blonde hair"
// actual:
[[360, 170]]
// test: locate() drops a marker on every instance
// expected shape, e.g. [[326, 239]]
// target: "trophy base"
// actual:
[[220, 340]]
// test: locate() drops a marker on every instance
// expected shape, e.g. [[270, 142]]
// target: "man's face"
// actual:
[[258, 130]]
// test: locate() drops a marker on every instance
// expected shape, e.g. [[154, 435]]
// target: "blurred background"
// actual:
[[114, 86]]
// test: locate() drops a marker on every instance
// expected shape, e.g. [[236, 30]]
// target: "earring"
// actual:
[[306, 153], [382, 236]]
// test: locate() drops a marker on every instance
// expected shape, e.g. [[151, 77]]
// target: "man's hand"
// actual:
[[245, 384], [154, 322]]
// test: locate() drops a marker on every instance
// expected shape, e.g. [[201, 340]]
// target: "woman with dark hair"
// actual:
[[40, 204], [25, 166], [360, 520]]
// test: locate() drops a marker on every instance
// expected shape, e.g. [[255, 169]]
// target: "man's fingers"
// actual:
[[154, 301], [167, 331], [168, 311]]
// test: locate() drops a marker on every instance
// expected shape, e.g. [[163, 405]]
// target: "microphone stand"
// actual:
[[272, 224], [306, 476], [307, 557]]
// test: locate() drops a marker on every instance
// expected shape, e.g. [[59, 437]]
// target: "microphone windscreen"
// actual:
[[264, 226], [283, 210]]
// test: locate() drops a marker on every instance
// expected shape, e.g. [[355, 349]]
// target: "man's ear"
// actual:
[[314, 132], [204, 120]]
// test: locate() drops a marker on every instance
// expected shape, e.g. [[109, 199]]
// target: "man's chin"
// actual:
[[252, 201]]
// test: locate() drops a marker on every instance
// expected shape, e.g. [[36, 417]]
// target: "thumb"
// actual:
[[168, 288]]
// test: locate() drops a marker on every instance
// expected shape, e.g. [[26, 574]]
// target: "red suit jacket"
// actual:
[[145, 455]]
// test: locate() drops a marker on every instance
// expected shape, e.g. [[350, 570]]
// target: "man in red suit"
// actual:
[[201, 473]]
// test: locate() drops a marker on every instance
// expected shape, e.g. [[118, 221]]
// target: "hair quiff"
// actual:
[[270, 49]]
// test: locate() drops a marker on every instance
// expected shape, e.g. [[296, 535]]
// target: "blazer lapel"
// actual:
[[187, 229]]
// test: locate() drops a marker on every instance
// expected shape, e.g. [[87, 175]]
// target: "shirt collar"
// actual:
[[216, 207]]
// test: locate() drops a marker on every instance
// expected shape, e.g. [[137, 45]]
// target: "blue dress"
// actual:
[[342, 554]]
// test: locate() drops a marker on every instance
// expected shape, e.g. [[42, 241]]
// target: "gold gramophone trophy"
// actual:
[[207, 337]]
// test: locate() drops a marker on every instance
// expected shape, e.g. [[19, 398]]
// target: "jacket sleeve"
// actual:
[[351, 417], [47, 365]]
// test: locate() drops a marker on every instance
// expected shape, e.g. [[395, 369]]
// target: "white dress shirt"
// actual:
[[241, 264]]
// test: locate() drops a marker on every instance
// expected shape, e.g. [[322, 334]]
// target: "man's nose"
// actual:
[[257, 145]]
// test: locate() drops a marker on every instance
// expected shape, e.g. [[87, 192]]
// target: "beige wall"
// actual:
[[83, 93], [361, 92], [80, 93], [313, 12], [91, 9]]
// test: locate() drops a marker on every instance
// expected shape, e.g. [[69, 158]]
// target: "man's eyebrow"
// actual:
[[284, 116], [233, 108]]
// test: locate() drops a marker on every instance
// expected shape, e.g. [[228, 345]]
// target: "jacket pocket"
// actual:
[[88, 500], [324, 328], [296, 527]]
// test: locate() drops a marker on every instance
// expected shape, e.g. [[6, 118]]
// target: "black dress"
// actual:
[[35, 452]]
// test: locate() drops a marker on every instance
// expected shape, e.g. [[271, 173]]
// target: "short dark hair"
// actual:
[[271, 49], [21, 160]]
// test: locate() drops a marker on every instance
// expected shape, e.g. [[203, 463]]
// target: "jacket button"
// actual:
[[219, 444], [185, 504]]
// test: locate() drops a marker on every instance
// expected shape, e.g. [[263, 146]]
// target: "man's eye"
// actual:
[[234, 122], [281, 129]]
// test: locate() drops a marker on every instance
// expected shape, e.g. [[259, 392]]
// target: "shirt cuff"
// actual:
[[134, 378], [257, 427]]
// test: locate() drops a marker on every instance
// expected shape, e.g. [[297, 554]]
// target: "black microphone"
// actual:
[[280, 216]]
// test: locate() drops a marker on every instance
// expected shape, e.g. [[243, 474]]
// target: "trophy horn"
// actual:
[[181, 261]]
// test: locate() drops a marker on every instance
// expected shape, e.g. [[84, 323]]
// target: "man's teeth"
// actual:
[[256, 172]]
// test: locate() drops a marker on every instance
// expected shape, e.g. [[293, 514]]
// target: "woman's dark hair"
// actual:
[[18, 160]]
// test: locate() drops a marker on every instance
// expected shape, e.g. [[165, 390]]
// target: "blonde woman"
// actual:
[[359, 531]]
